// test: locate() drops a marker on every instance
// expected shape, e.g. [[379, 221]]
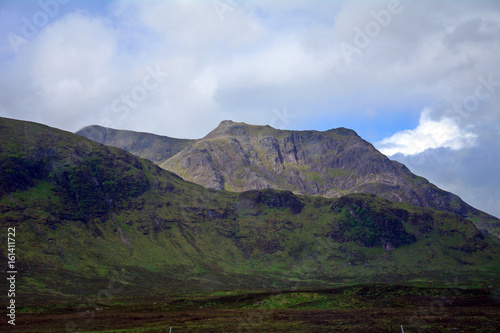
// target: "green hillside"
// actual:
[[85, 212]]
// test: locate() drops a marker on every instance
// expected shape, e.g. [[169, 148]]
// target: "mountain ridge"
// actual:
[[155, 148], [240, 157]]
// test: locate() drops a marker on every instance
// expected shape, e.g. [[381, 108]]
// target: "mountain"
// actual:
[[240, 157], [84, 212], [155, 148]]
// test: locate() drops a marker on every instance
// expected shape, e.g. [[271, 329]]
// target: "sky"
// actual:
[[420, 80]]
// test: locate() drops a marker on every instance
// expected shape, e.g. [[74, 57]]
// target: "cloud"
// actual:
[[469, 172], [258, 57], [429, 134]]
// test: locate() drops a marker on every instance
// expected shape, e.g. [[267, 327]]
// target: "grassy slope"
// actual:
[[87, 214]]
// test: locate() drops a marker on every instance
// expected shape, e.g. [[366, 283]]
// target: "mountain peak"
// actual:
[[226, 123], [228, 127], [344, 131], [233, 128]]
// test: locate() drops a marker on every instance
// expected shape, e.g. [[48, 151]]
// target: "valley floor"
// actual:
[[364, 308]]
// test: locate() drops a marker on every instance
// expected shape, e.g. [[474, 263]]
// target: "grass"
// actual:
[[369, 308]]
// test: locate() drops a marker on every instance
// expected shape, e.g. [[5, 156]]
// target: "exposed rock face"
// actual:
[[271, 199], [240, 157]]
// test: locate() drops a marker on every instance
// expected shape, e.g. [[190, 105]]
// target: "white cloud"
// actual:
[[469, 172], [429, 134], [262, 56]]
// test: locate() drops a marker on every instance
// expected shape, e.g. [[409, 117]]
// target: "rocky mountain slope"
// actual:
[[83, 210], [240, 157]]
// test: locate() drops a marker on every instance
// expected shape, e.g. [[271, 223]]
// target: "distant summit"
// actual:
[[153, 147]]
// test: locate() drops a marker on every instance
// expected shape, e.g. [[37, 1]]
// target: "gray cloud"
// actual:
[[90, 62], [472, 173]]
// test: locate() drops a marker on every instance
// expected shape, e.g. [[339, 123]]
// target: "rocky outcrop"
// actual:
[[271, 199]]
